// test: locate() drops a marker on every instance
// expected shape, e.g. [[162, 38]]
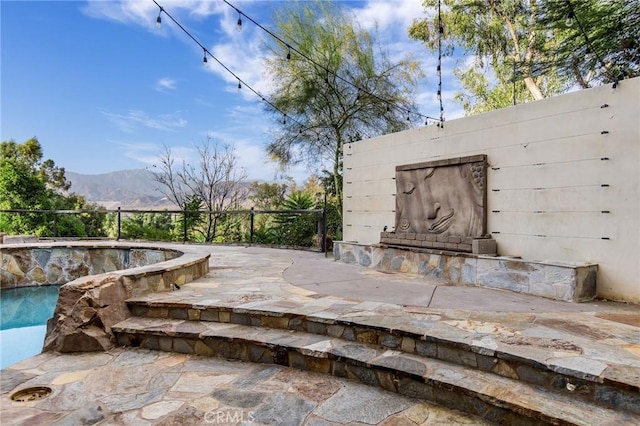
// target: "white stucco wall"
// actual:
[[546, 176]]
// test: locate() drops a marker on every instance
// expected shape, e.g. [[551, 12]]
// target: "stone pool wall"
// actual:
[[101, 278], [29, 266]]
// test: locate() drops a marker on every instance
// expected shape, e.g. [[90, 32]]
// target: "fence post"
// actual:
[[119, 224], [184, 227], [251, 228], [324, 226], [55, 224]]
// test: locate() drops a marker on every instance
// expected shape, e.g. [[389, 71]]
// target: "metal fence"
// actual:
[[186, 219]]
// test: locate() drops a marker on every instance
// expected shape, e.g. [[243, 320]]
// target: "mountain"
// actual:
[[128, 189]]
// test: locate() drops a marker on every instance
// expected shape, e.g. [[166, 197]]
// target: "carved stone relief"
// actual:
[[446, 197]]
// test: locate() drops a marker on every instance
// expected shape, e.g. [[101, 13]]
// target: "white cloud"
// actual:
[[390, 16], [129, 122], [165, 83], [150, 154], [145, 12], [138, 12]]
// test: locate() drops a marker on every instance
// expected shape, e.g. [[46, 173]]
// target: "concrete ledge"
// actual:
[[568, 281], [483, 245]]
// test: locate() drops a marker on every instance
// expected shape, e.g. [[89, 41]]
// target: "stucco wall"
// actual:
[[563, 179]]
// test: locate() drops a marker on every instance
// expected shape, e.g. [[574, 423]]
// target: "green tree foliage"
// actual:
[[297, 229], [149, 226], [526, 50], [609, 52], [323, 111], [266, 196], [28, 182]]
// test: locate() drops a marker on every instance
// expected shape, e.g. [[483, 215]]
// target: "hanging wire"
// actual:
[[209, 54], [337, 76], [572, 17], [439, 69]]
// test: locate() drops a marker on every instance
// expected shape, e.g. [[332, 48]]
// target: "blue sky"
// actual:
[[104, 89]]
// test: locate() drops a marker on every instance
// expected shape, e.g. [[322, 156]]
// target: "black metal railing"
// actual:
[[190, 222]]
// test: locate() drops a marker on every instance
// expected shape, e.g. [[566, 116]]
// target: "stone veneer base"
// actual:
[[566, 281]]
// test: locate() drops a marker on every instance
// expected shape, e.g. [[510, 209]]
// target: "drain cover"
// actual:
[[31, 394]]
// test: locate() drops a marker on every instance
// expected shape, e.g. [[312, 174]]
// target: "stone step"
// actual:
[[497, 399], [512, 355]]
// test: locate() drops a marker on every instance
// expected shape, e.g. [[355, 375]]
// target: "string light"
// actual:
[[311, 60], [159, 18], [571, 15], [206, 52], [290, 49]]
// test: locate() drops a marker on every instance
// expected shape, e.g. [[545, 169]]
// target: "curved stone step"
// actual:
[[513, 356], [494, 398]]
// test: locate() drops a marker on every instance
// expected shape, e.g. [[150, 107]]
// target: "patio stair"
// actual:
[[413, 358]]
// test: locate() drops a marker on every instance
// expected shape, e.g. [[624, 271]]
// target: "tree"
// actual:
[[216, 184], [524, 50], [349, 88], [28, 182], [600, 39], [267, 196]]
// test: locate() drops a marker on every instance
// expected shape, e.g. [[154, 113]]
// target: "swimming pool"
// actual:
[[23, 317]]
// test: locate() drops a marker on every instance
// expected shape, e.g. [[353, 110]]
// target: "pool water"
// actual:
[[23, 317]]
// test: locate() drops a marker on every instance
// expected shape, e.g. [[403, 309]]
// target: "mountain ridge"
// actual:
[[135, 188]]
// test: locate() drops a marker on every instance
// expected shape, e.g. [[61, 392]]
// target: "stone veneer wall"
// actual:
[[570, 281], [29, 266], [90, 305]]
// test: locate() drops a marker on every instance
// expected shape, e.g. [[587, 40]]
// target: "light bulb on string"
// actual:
[[204, 57], [158, 21], [239, 85], [570, 18], [239, 23], [288, 52]]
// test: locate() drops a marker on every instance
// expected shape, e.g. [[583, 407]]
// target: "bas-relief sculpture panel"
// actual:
[[446, 197]]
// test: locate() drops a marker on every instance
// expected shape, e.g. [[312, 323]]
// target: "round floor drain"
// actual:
[[31, 394]]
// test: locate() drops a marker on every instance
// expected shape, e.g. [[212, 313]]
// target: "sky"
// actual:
[[104, 89]]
